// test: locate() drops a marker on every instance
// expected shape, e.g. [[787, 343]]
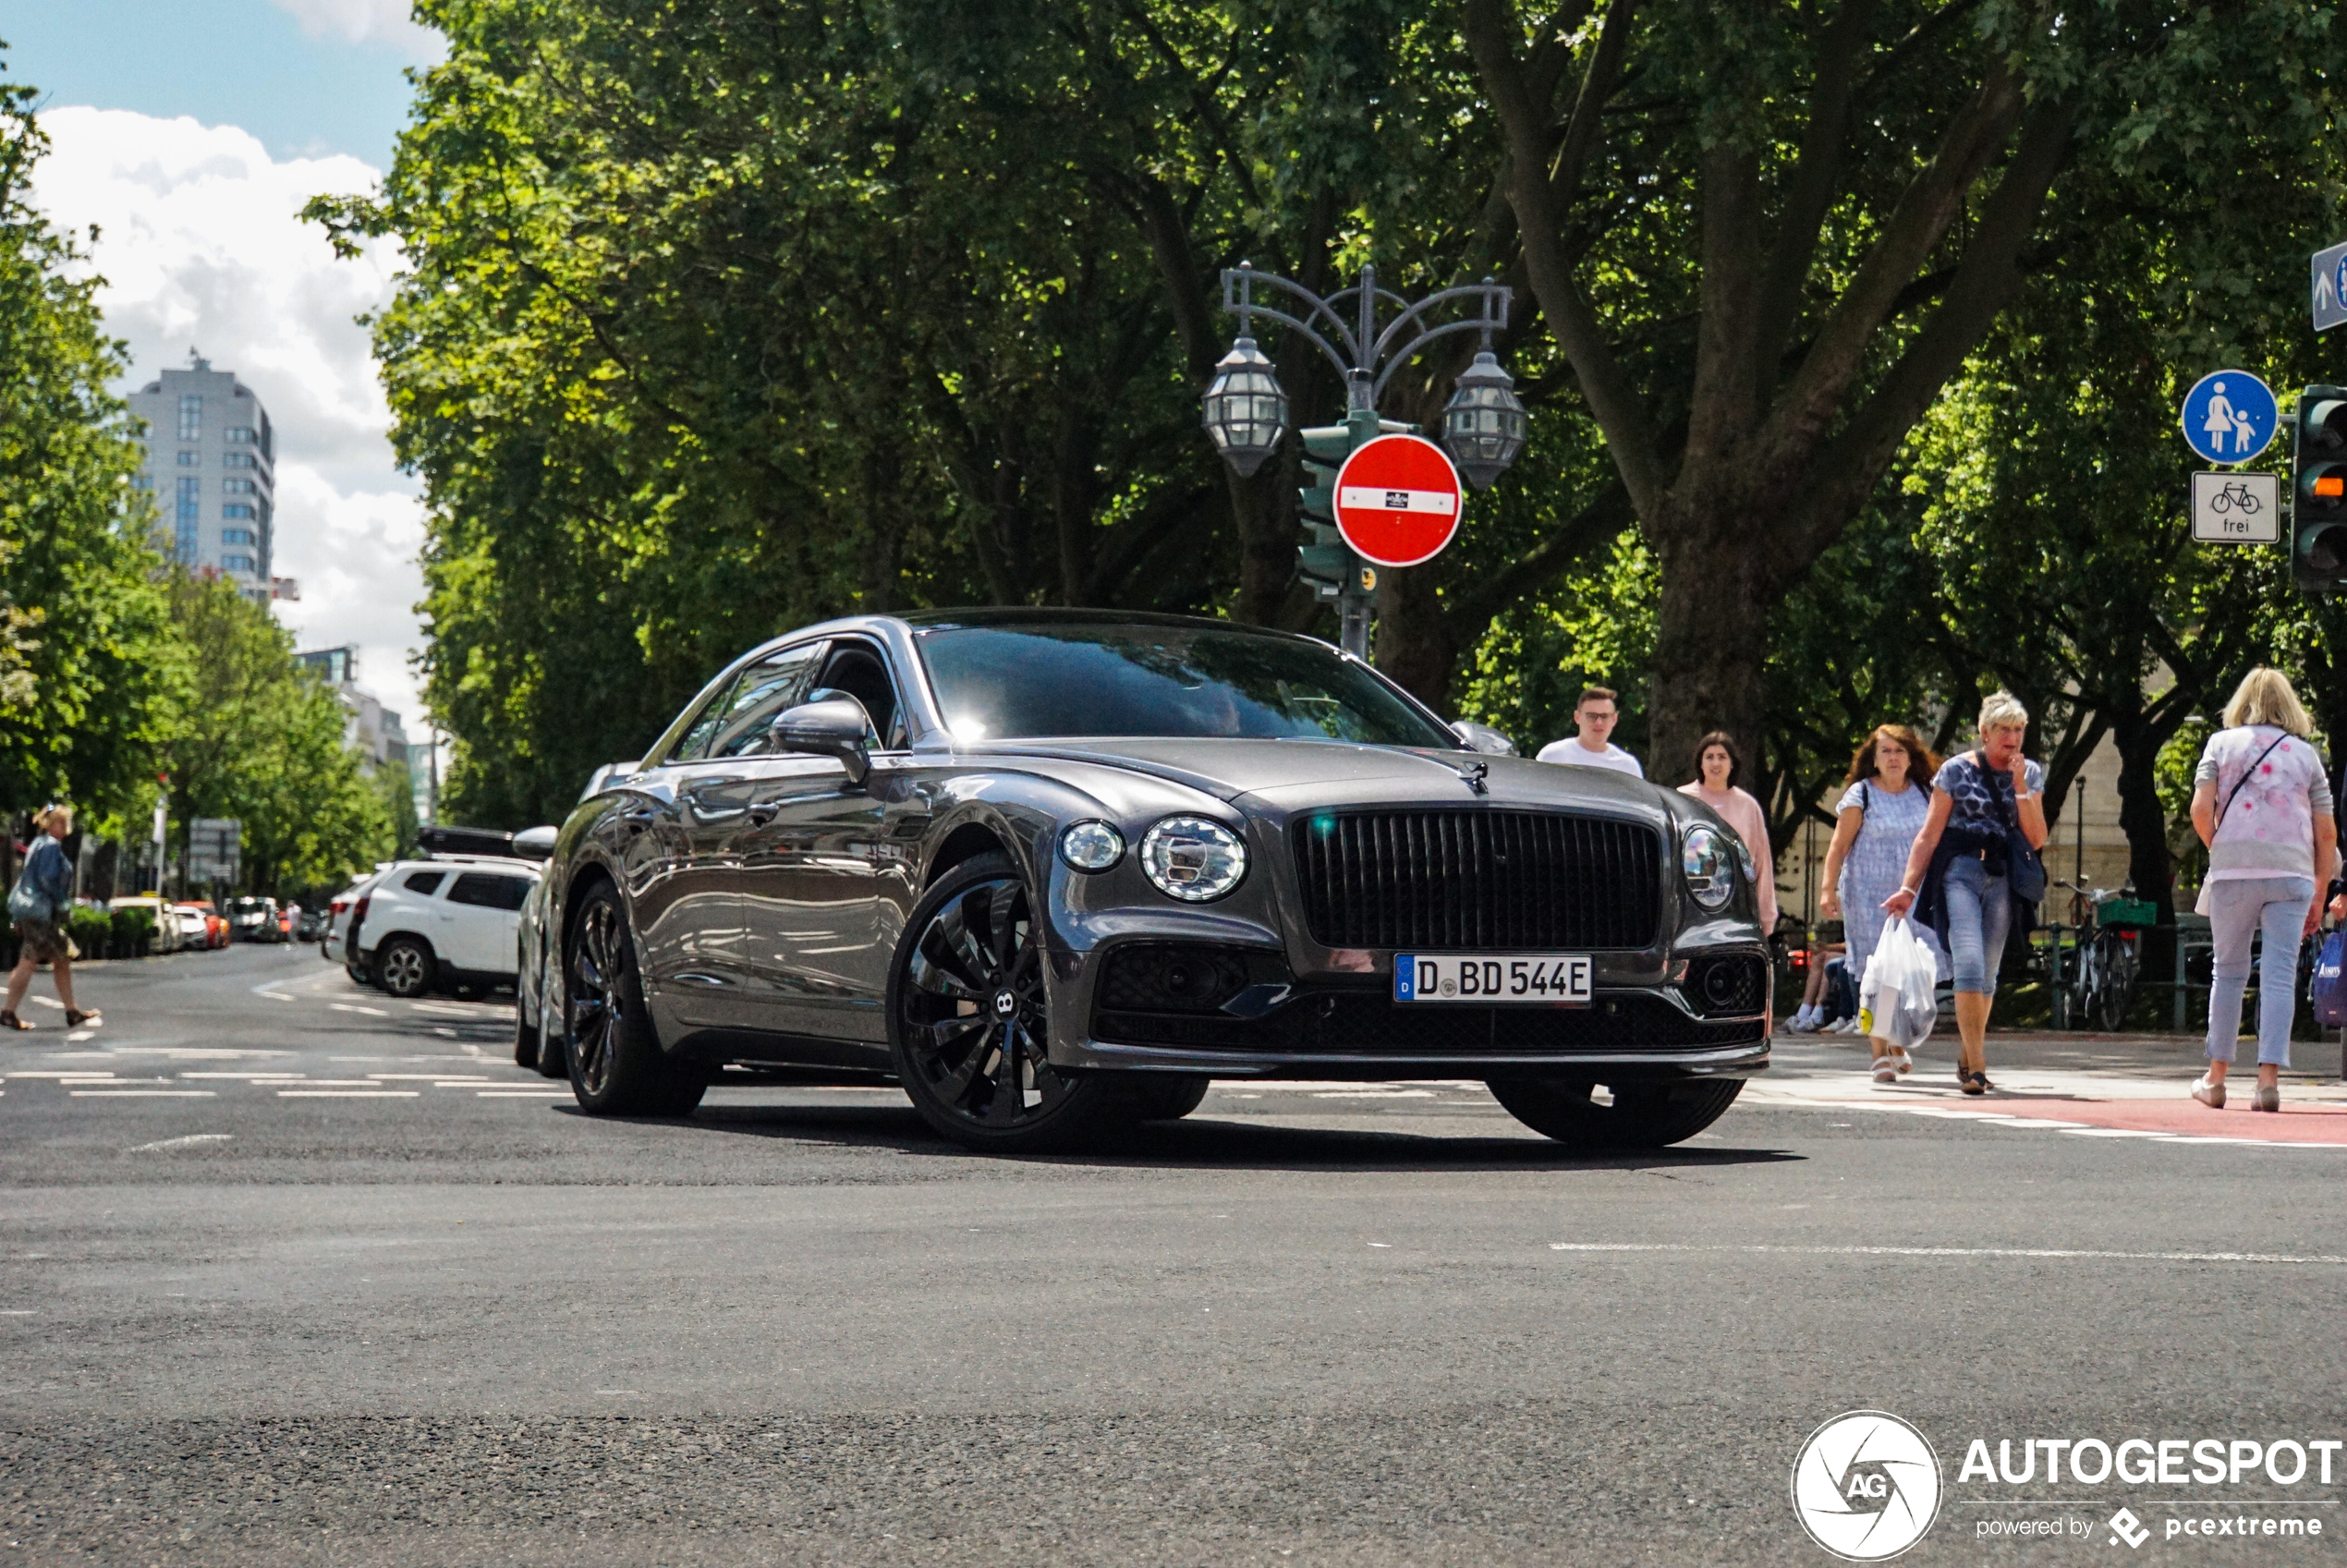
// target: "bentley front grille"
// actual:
[[1461, 881]]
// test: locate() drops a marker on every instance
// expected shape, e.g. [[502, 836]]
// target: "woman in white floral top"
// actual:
[[2261, 803]]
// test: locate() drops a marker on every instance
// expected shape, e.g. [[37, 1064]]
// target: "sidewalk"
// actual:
[[2118, 1085]]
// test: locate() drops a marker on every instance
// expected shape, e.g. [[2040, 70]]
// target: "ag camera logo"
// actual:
[[1866, 1486]]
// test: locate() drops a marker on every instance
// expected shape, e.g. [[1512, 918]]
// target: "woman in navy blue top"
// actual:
[[1957, 880]]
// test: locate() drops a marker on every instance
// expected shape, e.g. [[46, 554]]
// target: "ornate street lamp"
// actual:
[[1483, 424], [1246, 410]]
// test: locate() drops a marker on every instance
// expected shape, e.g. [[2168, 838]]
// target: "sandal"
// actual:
[[75, 1020], [1972, 1083], [2210, 1094], [1900, 1060], [8, 1020], [2268, 1097], [1885, 1070]]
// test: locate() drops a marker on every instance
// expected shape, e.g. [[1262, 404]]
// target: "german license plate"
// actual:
[[1555, 979]]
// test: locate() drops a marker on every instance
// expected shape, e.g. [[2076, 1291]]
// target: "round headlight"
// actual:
[[1091, 847], [1709, 866], [1193, 859]]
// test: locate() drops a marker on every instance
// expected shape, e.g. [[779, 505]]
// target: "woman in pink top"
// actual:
[[1717, 769]]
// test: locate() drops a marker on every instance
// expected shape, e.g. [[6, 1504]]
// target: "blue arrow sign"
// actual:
[[2229, 415], [2330, 288]]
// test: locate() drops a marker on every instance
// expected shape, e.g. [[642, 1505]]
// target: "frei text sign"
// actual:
[[2229, 416], [1397, 500], [2236, 508], [2330, 286]]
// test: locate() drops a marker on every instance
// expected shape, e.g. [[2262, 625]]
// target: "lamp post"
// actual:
[[1246, 410]]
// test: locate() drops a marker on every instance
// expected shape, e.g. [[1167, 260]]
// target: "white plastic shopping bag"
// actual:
[[1896, 1001]]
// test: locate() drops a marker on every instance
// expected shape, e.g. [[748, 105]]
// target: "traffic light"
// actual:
[[2318, 487], [1327, 563]]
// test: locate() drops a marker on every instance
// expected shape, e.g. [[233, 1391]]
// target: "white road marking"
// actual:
[[2114, 1132], [28, 1312], [354, 1007], [49, 1003], [438, 1080], [1955, 1252], [148, 1093], [252, 1077], [337, 1082], [521, 1093], [79, 1035], [190, 1141], [1374, 1094], [346, 1094]]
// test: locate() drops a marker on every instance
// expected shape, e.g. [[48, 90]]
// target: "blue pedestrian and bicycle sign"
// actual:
[[2229, 415]]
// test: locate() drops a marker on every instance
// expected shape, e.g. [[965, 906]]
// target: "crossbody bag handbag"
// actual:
[[2024, 867]]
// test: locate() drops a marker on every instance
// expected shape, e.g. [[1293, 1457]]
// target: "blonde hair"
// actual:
[[48, 814], [2002, 709], [2265, 697]]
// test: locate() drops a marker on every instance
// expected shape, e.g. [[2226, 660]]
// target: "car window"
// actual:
[[1021, 682], [764, 690], [857, 669], [425, 882], [490, 891]]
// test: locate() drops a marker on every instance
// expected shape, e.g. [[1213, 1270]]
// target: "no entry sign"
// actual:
[[1397, 500]]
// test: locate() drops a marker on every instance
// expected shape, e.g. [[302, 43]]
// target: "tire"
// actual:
[[525, 1038], [618, 1068], [967, 981], [1168, 1097], [1642, 1115], [403, 967]]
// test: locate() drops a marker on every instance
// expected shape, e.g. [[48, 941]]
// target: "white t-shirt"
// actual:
[[1572, 754], [2269, 830]]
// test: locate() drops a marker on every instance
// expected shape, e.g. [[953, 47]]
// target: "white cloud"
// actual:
[[359, 21], [201, 246]]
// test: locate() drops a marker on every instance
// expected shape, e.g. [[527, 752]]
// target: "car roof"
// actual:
[[933, 620], [440, 862]]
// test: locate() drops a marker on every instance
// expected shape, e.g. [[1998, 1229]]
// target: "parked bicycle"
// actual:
[[2106, 955]]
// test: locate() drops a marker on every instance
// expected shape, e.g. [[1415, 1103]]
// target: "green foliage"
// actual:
[[88, 672], [261, 740], [133, 931]]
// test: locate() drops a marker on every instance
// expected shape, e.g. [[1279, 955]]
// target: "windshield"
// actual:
[[1032, 682]]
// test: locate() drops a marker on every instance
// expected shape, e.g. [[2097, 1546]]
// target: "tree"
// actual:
[[1766, 238], [89, 670], [261, 740]]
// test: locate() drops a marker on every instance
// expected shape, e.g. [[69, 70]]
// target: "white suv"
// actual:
[[450, 922]]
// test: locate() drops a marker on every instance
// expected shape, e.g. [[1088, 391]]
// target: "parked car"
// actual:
[[341, 912], [1055, 870], [447, 923], [195, 926], [309, 925], [254, 919], [167, 937]]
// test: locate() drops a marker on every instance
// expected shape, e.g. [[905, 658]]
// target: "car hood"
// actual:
[[1302, 775]]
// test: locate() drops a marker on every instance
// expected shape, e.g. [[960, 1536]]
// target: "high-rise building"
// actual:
[[369, 728], [211, 467]]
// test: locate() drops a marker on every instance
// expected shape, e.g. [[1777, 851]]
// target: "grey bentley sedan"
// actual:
[[1054, 870]]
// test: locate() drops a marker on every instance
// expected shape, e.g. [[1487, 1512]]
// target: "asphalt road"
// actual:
[[292, 1274]]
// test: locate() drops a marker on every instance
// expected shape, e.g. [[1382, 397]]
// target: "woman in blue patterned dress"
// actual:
[[1878, 819]]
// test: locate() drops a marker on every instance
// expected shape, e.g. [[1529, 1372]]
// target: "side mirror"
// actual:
[[535, 844], [1483, 737], [837, 726]]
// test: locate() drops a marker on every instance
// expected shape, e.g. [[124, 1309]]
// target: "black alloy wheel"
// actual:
[[968, 1019], [403, 966], [1642, 1115], [616, 1066]]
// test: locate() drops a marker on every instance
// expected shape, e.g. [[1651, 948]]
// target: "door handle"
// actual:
[[763, 812]]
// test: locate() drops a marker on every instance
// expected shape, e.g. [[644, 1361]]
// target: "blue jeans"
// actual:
[[1980, 913], [2278, 907]]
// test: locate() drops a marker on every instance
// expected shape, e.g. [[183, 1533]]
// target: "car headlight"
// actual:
[[1193, 859], [1709, 866], [1091, 847]]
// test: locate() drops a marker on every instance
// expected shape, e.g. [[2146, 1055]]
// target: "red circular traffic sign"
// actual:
[[1397, 500]]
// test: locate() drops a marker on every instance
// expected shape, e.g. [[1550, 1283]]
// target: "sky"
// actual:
[[191, 135]]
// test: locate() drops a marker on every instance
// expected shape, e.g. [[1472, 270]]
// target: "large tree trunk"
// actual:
[[1415, 644], [1711, 642], [2144, 823]]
